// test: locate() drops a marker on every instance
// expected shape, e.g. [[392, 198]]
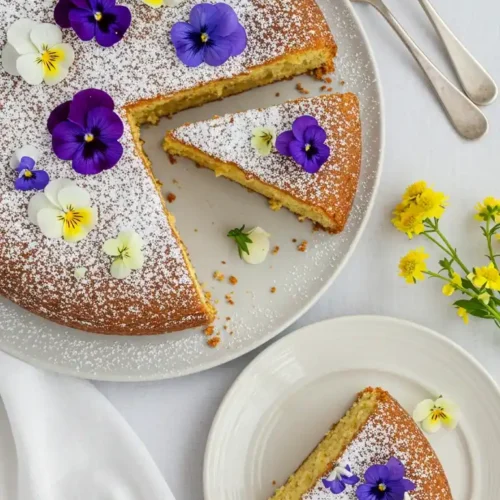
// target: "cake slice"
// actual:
[[223, 144], [374, 430]]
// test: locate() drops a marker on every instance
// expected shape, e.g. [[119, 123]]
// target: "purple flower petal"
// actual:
[[26, 163], [323, 153], [191, 56], [351, 481], [94, 159], [218, 52], [60, 114], [61, 13], [86, 100], [67, 139], [113, 25], [298, 152], [84, 23], [106, 5], [105, 124], [238, 39], [408, 485], [23, 183], [40, 179], [376, 474], [82, 4], [336, 486], [395, 490], [300, 125], [396, 469], [283, 142], [202, 15], [183, 35], [364, 492], [314, 135], [225, 22]]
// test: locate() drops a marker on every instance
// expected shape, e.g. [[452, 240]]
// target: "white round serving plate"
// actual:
[[283, 403], [205, 209]]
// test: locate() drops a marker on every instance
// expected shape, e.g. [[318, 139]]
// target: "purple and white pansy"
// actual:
[[212, 35], [100, 19], [86, 131], [29, 178], [339, 477], [305, 143]]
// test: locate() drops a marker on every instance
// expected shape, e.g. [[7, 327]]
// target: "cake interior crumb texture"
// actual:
[[223, 144], [146, 80], [372, 431]]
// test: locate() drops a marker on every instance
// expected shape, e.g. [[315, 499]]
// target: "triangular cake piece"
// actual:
[[223, 144], [375, 430]]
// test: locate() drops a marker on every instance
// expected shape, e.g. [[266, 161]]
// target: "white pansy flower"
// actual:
[[258, 248], [126, 251], [63, 210], [407, 496], [431, 415], [35, 52], [159, 3], [80, 273], [263, 140]]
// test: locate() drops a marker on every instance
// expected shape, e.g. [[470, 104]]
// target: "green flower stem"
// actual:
[[491, 310], [490, 246], [436, 242]]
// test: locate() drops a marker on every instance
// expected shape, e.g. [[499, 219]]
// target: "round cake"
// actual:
[[70, 282]]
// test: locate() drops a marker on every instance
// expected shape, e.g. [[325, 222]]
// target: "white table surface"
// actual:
[[173, 417]]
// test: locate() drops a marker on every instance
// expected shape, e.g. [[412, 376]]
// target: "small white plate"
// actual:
[[288, 397]]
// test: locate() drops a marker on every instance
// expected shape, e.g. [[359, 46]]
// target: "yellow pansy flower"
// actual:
[[489, 208], [449, 288], [412, 265], [263, 140], [487, 276], [431, 203], [414, 191], [462, 313], [409, 221], [431, 415], [158, 3]]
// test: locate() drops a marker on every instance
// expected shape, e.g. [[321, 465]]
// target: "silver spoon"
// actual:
[[476, 82], [467, 118]]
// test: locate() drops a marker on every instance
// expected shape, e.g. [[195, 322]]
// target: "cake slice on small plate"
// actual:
[[224, 145], [376, 431]]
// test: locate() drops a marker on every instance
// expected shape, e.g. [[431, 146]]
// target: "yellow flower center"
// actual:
[[28, 174], [308, 147], [409, 267], [71, 217], [438, 414], [88, 137], [204, 37], [48, 58], [382, 487], [123, 252], [98, 16]]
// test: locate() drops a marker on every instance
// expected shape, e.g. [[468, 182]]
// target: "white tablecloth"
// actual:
[[173, 417]]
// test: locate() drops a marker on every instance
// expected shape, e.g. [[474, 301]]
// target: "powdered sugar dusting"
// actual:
[[390, 432]]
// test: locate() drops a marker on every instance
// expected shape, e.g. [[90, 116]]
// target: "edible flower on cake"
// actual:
[[431, 415], [35, 52], [212, 35], [86, 131], [159, 3], [253, 245], [63, 210], [104, 20], [340, 476], [80, 272], [305, 143], [263, 140], [126, 251], [23, 162]]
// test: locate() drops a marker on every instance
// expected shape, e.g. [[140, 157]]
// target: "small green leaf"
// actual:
[[474, 307], [241, 238]]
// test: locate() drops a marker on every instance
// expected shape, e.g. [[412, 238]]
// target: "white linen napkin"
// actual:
[[67, 442]]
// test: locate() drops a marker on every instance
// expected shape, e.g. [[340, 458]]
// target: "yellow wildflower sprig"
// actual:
[[419, 213]]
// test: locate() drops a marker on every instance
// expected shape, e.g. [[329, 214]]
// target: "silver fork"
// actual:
[[464, 115], [475, 80]]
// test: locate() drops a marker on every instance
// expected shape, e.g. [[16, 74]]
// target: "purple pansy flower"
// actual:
[[385, 482], [86, 130], [339, 477], [28, 177], [102, 19], [305, 143], [213, 35]]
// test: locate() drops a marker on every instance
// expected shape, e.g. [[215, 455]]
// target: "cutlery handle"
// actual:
[[477, 83], [467, 118]]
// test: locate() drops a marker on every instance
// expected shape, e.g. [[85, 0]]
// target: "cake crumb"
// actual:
[[275, 250], [301, 89], [274, 205], [171, 197], [208, 295], [277, 94], [172, 159], [233, 280], [195, 230], [228, 318], [175, 181], [342, 82], [229, 299], [209, 330], [327, 79], [213, 342], [301, 218], [273, 289], [222, 261], [218, 276], [158, 182], [323, 88], [294, 240], [329, 89], [274, 483], [302, 247]]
